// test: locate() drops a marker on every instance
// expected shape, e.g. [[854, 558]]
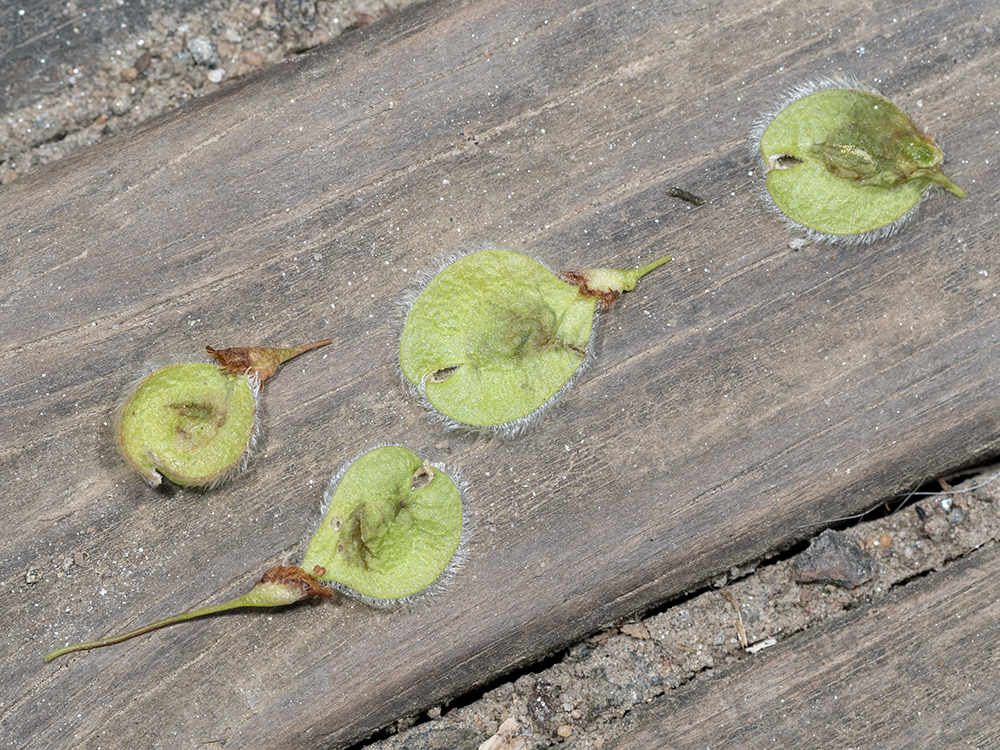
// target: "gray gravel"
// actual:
[[74, 76]]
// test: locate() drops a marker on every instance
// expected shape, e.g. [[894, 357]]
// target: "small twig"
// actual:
[[740, 630]]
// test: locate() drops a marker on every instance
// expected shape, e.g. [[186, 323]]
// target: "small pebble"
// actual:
[[502, 739], [129, 74], [564, 730], [253, 58], [142, 62], [636, 630], [203, 51], [120, 106], [833, 557], [937, 528], [885, 539], [215, 75]]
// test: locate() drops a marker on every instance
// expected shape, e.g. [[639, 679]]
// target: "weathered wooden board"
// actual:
[[921, 669], [741, 395]]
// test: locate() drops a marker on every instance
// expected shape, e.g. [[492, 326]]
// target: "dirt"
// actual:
[[73, 78], [121, 72], [579, 698]]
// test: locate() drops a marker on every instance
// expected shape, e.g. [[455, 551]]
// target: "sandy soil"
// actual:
[[126, 67], [75, 78], [579, 698]]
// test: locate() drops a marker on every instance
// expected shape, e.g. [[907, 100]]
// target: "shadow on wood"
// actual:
[[743, 396]]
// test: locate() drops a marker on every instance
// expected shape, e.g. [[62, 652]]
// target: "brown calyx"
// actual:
[[291, 576], [238, 360], [605, 298], [261, 361]]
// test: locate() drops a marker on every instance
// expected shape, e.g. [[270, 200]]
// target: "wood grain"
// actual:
[[742, 395], [917, 670]]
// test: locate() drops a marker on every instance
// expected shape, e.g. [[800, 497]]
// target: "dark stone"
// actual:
[[542, 708], [833, 557]]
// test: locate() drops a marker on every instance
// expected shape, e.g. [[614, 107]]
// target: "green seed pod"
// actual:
[[393, 528], [496, 337], [195, 423], [844, 163]]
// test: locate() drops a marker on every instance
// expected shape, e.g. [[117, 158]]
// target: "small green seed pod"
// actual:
[[195, 423], [495, 336], [844, 163], [393, 528]]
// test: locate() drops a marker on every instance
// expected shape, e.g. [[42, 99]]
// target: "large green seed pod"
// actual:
[[495, 336], [196, 422], [846, 164], [393, 528]]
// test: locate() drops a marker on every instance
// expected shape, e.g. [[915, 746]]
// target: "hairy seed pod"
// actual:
[[495, 336], [844, 163], [196, 422], [393, 528]]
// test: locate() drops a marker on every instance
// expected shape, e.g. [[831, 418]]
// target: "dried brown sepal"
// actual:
[[261, 361], [291, 577], [581, 279]]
